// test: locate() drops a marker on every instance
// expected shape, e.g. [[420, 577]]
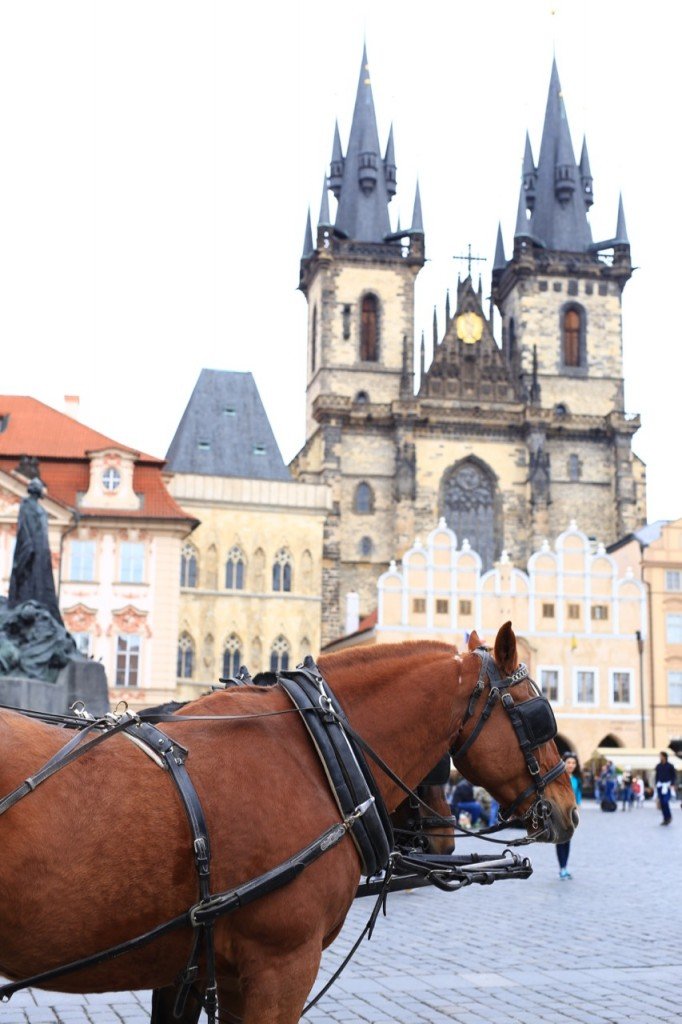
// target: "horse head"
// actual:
[[505, 741]]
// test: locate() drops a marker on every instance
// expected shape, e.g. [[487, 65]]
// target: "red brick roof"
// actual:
[[61, 445]]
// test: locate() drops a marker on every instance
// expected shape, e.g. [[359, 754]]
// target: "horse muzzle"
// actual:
[[553, 825]]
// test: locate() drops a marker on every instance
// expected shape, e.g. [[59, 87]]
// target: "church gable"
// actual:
[[468, 366]]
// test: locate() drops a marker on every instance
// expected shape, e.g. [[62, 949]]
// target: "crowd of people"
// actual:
[[474, 808]]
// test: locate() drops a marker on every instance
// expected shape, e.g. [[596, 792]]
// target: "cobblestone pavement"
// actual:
[[601, 948]]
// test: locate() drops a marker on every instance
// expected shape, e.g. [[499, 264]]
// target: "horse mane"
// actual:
[[355, 657]]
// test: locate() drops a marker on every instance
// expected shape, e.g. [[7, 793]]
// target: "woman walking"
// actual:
[[562, 849]]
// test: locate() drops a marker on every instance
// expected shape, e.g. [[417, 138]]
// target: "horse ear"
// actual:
[[505, 649], [473, 642]]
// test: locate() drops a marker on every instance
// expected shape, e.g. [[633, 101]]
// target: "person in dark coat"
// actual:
[[32, 578], [665, 782]]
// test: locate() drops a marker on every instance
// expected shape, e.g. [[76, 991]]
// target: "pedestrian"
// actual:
[[626, 792], [463, 801], [665, 786], [573, 772], [608, 781]]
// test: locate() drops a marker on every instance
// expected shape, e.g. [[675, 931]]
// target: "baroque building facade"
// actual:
[[505, 438], [115, 534]]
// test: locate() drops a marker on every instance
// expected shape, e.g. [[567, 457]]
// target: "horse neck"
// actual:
[[406, 706]]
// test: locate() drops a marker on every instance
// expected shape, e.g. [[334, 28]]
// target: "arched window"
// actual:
[[364, 499], [282, 571], [231, 656], [572, 337], [234, 569], [185, 656], [313, 342], [470, 508], [366, 546], [189, 566], [362, 398], [369, 329], [279, 655]]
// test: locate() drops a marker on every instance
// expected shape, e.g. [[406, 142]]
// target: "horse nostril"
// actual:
[[575, 817]]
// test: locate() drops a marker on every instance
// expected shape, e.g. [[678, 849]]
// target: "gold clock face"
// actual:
[[469, 328]]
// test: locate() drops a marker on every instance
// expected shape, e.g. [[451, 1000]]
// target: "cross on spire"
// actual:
[[470, 259]]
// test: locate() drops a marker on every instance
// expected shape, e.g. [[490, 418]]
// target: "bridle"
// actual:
[[534, 724]]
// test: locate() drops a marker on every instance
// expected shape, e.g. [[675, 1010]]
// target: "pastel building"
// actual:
[[115, 534], [576, 615], [654, 553]]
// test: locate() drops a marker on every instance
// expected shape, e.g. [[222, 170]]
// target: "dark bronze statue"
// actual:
[[32, 578]]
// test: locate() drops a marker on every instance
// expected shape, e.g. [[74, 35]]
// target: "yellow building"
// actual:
[[575, 615], [251, 575], [654, 554]]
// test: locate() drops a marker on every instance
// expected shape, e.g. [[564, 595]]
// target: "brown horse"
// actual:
[[101, 852], [416, 825]]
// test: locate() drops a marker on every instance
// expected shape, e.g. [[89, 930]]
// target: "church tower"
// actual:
[[559, 297], [358, 275]]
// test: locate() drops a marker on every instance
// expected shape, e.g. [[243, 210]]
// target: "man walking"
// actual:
[[665, 781]]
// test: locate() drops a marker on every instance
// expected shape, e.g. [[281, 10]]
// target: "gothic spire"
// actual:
[[435, 329], [559, 211], [530, 175], [336, 166], [500, 261], [621, 230], [308, 239], [417, 222], [522, 229], [447, 309], [363, 191], [324, 219], [389, 166], [586, 176]]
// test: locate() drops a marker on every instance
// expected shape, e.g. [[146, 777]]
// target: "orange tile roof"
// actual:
[[33, 428], [61, 445]]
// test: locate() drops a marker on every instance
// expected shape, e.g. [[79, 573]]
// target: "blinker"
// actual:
[[537, 720]]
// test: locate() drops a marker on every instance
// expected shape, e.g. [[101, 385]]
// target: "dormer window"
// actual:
[[204, 446], [259, 449], [111, 479]]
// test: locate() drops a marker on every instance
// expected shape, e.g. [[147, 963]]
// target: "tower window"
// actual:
[[364, 499], [313, 342], [366, 546], [369, 329], [572, 337]]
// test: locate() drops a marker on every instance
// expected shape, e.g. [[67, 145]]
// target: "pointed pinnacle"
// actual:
[[417, 222], [308, 240]]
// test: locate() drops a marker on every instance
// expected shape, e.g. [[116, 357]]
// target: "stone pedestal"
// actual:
[[79, 680]]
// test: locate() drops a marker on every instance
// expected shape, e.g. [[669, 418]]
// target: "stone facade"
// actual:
[[506, 437], [251, 576]]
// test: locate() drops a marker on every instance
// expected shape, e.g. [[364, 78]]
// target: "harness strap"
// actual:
[[350, 779]]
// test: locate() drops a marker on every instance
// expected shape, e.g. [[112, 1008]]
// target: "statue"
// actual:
[[32, 643], [32, 578], [40, 666]]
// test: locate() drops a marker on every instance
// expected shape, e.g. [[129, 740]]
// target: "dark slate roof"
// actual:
[[645, 535], [559, 211], [363, 215], [225, 431]]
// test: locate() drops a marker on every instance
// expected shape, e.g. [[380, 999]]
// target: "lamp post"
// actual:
[[640, 648]]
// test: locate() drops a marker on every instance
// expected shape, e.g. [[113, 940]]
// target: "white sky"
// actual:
[[158, 159]]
